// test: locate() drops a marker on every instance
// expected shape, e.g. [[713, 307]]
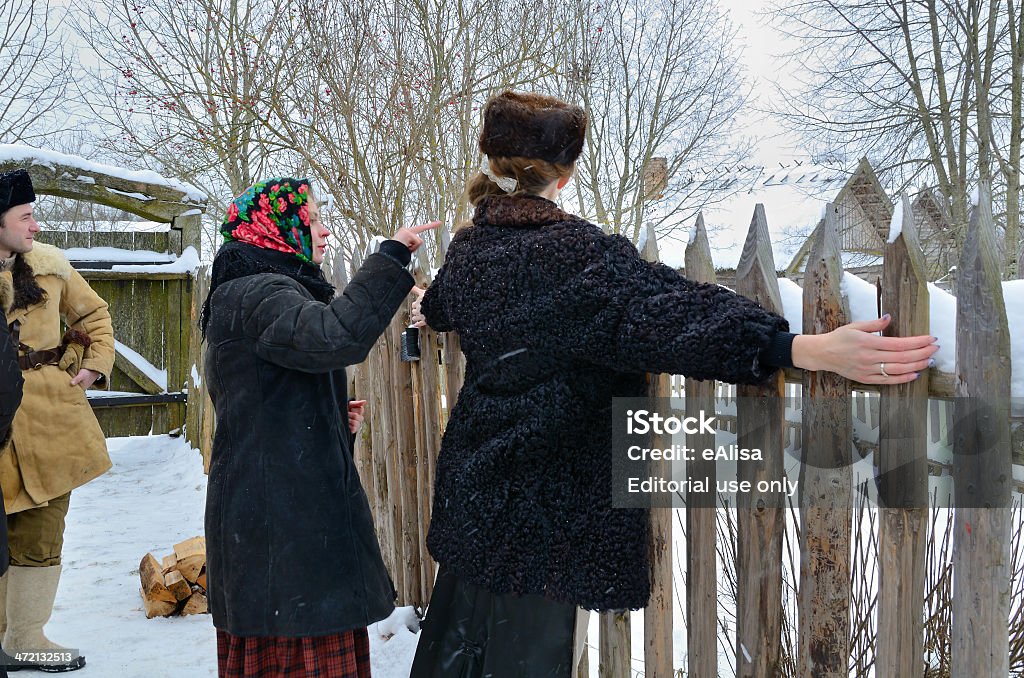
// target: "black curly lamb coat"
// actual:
[[522, 501]]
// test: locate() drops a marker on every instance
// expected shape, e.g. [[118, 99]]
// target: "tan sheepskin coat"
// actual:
[[57, 444]]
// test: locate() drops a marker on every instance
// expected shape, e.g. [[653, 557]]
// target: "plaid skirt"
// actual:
[[342, 655]]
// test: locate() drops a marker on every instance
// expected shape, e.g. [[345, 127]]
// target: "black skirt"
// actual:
[[470, 632]]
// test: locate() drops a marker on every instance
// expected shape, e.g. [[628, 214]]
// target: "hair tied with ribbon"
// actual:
[[507, 184]]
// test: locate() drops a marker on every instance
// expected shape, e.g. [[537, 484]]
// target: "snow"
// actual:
[[85, 180], [896, 225], [792, 304], [138, 196], [156, 374], [152, 498], [197, 380], [396, 637], [108, 226], [1013, 294], [28, 155], [117, 254], [862, 297], [188, 262], [942, 314]]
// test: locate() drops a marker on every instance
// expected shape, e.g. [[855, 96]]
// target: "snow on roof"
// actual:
[[108, 226], [118, 254], [188, 262], [157, 375], [28, 155]]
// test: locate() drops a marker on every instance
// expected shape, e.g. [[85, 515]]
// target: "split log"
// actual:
[[201, 579], [177, 585], [191, 555], [197, 604], [169, 563], [157, 608], [154, 591]]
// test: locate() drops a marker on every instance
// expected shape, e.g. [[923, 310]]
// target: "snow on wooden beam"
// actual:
[[144, 193]]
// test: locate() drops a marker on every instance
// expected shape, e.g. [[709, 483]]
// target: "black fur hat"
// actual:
[[15, 189], [533, 126]]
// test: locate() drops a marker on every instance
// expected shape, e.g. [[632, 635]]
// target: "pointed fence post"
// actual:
[[451, 356], [701, 556], [982, 470], [426, 406], [658, 613], [825, 476], [903, 464], [760, 414]]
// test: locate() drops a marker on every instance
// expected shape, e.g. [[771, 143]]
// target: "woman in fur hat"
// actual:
[[556, 318], [294, 570]]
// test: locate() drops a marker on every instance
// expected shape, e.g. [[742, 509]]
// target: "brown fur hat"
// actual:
[[533, 126]]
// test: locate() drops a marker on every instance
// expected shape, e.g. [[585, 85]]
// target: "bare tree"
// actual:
[[34, 70], [388, 111], [181, 85], [660, 79], [928, 89]]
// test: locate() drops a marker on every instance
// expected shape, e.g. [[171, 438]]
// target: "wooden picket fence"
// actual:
[[409, 401]]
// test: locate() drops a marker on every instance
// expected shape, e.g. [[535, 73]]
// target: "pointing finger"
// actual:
[[425, 227]]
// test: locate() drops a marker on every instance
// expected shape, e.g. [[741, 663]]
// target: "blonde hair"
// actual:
[[532, 176]]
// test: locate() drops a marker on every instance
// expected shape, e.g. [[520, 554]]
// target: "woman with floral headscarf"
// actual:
[[294, 570]]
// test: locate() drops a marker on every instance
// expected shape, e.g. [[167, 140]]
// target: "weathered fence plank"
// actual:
[[825, 476], [701, 560], [760, 415], [614, 645], [981, 457], [658, 613], [903, 466]]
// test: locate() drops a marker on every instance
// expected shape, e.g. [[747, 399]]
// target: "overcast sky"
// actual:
[[762, 47]]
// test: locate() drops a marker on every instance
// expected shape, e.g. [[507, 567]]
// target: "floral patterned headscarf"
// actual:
[[272, 214]]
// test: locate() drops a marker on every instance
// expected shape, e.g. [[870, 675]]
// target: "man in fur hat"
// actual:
[[56, 443]]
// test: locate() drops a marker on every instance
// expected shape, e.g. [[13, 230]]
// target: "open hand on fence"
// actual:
[[856, 352]]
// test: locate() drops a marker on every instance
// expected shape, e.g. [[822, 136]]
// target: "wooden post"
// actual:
[[401, 390], [190, 225], [981, 458], [760, 413], [199, 411], [615, 646], [426, 409], [658, 613], [825, 476], [454, 361], [903, 465], [701, 556]]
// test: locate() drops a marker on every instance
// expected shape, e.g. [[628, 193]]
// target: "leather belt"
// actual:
[[36, 359]]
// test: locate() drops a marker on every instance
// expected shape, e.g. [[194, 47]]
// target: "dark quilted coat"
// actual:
[[522, 501], [290, 539]]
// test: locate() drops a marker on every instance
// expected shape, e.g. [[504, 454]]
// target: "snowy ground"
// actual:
[[151, 499]]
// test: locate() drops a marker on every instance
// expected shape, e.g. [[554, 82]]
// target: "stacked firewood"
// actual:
[[176, 584]]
